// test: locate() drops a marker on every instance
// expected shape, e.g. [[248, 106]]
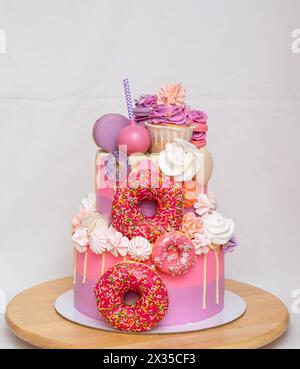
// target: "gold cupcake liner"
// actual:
[[163, 134]]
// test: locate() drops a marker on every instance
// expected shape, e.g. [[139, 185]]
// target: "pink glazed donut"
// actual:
[[173, 253]]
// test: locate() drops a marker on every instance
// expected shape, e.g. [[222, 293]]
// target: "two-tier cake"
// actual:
[[149, 243]]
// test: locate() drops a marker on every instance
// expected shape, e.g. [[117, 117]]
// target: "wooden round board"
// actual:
[[32, 317]]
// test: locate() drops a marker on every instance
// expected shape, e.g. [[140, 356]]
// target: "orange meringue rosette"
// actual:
[[191, 191], [172, 94], [191, 224]]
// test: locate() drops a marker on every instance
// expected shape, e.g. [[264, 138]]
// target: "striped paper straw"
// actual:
[[128, 98]]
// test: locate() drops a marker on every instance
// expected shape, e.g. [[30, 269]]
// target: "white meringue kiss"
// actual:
[[218, 229], [80, 239], [180, 160], [88, 202], [95, 221], [139, 248], [87, 205], [117, 244], [98, 242]]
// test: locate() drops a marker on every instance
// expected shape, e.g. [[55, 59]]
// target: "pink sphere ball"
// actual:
[[135, 137]]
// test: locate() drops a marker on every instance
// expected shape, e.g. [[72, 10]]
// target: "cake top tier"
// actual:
[[154, 121]]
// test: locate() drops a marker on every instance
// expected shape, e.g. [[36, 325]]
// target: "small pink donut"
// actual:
[[173, 253]]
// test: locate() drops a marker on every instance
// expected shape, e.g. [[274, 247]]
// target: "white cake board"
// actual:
[[234, 307]]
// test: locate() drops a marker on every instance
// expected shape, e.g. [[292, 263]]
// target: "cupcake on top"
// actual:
[[167, 117]]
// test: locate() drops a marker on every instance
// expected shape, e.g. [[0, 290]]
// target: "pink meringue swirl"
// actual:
[[170, 114]]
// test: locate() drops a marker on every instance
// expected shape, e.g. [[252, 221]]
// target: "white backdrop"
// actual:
[[63, 68]]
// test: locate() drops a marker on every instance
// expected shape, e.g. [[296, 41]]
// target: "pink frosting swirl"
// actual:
[[146, 101], [168, 107], [143, 107], [197, 116], [199, 120], [199, 139], [170, 114]]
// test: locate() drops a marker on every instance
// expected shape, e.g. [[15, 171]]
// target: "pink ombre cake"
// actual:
[[104, 237], [193, 297]]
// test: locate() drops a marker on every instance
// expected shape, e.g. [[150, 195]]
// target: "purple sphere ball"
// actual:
[[106, 131]]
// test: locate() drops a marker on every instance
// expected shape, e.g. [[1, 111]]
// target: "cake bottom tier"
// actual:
[[195, 296]]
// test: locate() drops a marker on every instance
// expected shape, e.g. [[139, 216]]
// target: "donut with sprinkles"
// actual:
[[173, 253], [150, 307], [128, 218]]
